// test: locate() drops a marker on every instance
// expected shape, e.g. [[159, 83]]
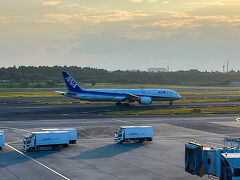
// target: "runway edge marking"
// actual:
[[55, 172]]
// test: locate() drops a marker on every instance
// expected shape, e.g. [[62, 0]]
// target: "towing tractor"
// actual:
[[134, 134], [46, 140], [1, 139], [72, 134]]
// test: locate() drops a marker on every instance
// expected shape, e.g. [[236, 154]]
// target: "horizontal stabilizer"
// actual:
[[60, 92]]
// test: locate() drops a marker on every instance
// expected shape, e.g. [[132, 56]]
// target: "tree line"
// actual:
[[52, 76]]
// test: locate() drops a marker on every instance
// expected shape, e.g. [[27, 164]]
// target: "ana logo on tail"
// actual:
[[71, 81]]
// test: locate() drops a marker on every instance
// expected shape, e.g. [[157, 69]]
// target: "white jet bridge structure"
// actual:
[[221, 162]]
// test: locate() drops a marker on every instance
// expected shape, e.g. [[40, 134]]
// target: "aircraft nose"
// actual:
[[177, 96]]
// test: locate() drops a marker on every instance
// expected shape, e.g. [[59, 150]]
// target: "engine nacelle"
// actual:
[[145, 100]]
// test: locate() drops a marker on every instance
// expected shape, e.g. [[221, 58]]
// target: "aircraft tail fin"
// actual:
[[71, 84]]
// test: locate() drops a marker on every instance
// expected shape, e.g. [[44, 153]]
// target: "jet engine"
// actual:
[[145, 100]]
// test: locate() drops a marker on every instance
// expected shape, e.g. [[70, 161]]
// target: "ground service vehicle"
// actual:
[[134, 133], [72, 134], [1, 139], [46, 140]]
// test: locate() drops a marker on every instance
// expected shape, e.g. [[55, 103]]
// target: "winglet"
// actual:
[[71, 84]]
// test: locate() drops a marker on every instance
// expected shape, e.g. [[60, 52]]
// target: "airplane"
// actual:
[[120, 96]]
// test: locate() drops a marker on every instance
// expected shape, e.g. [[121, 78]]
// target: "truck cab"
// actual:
[[46, 140], [29, 142], [1, 139], [119, 136]]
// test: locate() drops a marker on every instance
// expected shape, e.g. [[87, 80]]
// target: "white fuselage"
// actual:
[[118, 95]]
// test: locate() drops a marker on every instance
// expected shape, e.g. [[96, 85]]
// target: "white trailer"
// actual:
[[72, 133], [134, 133], [46, 140], [1, 139]]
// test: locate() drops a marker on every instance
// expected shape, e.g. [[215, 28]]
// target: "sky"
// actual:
[[121, 34]]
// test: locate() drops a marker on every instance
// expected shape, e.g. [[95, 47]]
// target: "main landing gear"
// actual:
[[122, 104], [171, 103]]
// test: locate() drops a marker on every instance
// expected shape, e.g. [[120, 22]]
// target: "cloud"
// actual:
[[234, 22], [113, 16], [96, 18], [212, 18], [78, 6], [4, 18], [137, 1], [61, 17], [9, 19], [50, 3]]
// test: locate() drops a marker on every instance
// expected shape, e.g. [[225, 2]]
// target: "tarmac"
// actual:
[[96, 156]]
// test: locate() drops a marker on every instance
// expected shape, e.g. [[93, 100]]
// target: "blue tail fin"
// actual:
[[71, 84]]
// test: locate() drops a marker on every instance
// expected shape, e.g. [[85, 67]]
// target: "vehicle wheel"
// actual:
[[120, 142], [55, 148], [141, 140], [118, 104], [64, 146], [149, 139]]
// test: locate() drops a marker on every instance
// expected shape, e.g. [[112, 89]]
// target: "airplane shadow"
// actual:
[[107, 151]]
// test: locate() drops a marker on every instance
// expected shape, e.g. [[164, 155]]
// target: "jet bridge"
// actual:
[[220, 162]]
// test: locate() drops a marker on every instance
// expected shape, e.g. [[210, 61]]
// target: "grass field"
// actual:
[[202, 110], [111, 86], [209, 92], [190, 100], [89, 86], [27, 94]]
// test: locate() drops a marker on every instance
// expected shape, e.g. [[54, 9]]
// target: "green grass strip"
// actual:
[[202, 110], [192, 100], [27, 94]]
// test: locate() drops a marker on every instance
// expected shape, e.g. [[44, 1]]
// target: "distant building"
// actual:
[[4, 81], [234, 83], [157, 69]]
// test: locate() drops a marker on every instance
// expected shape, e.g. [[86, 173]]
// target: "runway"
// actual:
[[76, 111]]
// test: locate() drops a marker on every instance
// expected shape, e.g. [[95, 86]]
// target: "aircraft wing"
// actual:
[[131, 97], [60, 92]]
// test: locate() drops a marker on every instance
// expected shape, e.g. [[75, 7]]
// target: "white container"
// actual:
[[132, 133], [1, 139], [45, 140], [72, 133]]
